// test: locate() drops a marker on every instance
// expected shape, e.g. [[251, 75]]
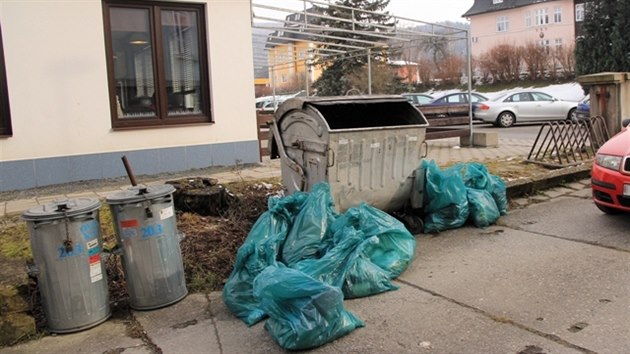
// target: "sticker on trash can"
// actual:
[[92, 247], [375, 145], [129, 223], [129, 228], [89, 230], [413, 138], [166, 213], [96, 272]]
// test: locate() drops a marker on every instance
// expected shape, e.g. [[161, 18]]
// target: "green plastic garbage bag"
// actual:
[[303, 312], [260, 249], [498, 190], [308, 231], [446, 205], [364, 278], [477, 176], [333, 266], [387, 250], [483, 209]]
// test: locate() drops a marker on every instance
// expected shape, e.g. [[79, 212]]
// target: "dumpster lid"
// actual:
[[301, 102], [140, 193], [61, 208]]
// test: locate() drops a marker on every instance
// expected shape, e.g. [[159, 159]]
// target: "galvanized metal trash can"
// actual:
[[146, 233], [367, 147], [66, 244]]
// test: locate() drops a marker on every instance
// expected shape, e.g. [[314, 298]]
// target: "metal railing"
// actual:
[[568, 143]]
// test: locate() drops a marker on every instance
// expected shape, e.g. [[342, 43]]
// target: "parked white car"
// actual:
[[524, 106], [271, 103]]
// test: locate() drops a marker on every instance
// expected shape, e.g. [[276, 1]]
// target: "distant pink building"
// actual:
[[549, 23]]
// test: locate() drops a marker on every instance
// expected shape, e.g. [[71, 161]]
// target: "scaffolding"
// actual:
[[296, 21]]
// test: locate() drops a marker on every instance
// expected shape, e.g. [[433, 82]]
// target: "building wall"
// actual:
[[58, 93], [484, 34], [289, 62]]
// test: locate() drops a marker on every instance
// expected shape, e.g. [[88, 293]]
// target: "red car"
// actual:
[[610, 175]]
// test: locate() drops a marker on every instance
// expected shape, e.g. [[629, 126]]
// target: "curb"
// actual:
[[528, 186]]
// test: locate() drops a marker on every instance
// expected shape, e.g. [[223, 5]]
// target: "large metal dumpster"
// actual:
[[367, 148]]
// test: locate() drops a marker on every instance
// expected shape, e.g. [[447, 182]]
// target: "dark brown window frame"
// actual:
[[5, 110], [162, 119]]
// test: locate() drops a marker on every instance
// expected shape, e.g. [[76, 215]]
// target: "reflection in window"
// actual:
[[157, 62], [133, 63], [181, 60]]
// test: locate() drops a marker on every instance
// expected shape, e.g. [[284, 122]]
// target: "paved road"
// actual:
[[525, 131], [553, 276]]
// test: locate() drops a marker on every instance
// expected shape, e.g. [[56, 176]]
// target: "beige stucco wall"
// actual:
[[483, 27], [57, 81]]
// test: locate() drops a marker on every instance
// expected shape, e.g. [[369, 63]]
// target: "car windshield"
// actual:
[[499, 98]]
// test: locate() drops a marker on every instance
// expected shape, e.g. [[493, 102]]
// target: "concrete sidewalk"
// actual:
[[442, 151]]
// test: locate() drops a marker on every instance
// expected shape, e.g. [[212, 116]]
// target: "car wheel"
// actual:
[[572, 116], [506, 119], [607, 209]]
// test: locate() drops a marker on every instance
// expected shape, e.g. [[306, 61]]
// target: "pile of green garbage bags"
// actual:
[[301, 259], [463, 192]]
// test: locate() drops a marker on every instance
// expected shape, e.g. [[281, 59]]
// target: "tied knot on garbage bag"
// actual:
[[301, 259]]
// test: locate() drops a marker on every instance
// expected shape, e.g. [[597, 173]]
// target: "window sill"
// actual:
[[160, 126]]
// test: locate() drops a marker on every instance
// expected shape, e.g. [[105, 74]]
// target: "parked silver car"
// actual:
[[524, 106]]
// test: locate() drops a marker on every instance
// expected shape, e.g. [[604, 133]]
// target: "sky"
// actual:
[[430, 10], [423, 10]]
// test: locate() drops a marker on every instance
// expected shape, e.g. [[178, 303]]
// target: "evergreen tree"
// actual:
[[604, 44], [335, 77], [620, 41]]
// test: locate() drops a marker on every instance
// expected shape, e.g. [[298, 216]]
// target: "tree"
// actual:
[[384, 79], [335, 76], [604, 45], [535, 58], [620, 42], [450, 69]]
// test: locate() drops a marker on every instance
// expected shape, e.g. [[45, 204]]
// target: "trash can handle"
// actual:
[[331, 156], [283, 154], [426, 149]]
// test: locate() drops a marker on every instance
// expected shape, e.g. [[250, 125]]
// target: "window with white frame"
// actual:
[[557, 14], [558, 43], [157, 63], [542, 18], [528, 19], [544, 43], [502, 24], [579, 12]]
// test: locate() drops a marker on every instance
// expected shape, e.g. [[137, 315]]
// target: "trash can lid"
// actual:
[[61, 208], [140, 193]]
